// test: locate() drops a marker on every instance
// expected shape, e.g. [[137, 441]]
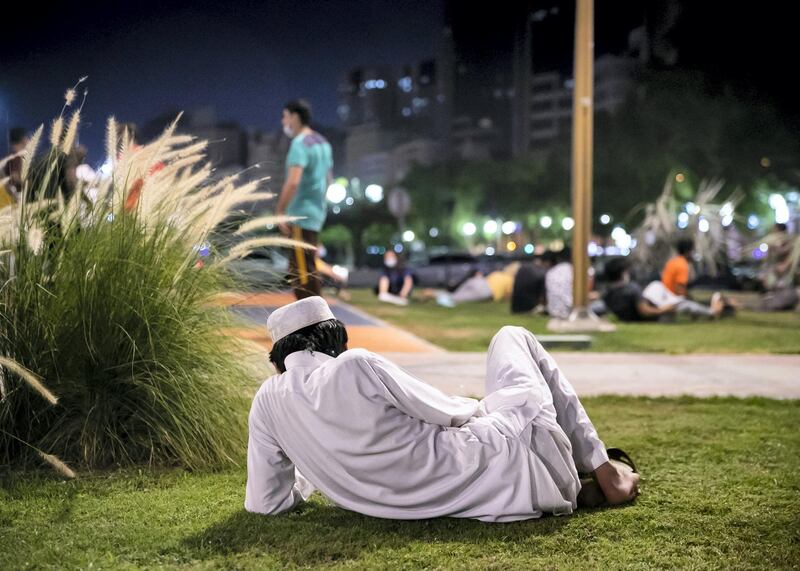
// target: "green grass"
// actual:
[[721, 479], [470, 327]]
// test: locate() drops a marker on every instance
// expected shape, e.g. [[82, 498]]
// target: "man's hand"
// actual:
[[287, 194]]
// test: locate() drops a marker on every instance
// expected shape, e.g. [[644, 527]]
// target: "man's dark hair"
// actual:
[[780, 227], [17, 135], [328, 337], [302, 108], [564, 255], [615, 268], [550, 257], [684, 246]]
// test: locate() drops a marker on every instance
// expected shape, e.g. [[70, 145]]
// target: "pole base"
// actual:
[[582, 319]]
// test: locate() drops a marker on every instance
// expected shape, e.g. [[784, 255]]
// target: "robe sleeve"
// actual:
[[420, 400], [273, 484]]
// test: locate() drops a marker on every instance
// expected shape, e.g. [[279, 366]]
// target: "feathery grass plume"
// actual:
[[55, 132], [31, 379], [244, 248], [71, 134], [58, 465], [117, 317], [194, 150], [112, 140], [70, 94], [30, 152], [265, 221], [659, 230]]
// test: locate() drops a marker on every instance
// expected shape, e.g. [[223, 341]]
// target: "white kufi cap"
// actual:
[[296, 315]]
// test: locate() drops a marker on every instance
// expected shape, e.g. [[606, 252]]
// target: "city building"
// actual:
[[550, 111]]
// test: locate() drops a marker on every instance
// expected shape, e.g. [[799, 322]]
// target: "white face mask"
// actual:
[[390, 263], [288, 131]]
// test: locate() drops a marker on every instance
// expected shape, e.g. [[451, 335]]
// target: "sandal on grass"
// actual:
[[591, 496]]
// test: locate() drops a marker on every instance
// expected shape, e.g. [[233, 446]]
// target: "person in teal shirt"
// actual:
[[309, 171]]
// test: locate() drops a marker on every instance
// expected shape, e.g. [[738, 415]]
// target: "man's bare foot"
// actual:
[[618, 483]]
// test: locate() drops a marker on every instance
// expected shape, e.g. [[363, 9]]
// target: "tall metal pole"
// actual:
[[582, 133]]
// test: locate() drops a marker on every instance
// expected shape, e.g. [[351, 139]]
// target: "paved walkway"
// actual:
[[364, 330], [642, 374]]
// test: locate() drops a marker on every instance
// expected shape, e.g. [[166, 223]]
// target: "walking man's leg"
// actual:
[[302, 265]]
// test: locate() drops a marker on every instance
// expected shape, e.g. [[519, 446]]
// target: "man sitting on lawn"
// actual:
[[376, 440]]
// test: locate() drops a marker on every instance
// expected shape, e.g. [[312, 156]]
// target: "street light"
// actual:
[[508, 227], [408, 236], [568, 223], [336, 193], [490, 227], [468, 229], [374, 193], [778, 203], [546, 221]]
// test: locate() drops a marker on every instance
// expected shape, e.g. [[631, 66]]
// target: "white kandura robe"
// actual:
[[376, 440]]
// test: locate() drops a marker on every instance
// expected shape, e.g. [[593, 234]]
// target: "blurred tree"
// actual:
[[675, 122]]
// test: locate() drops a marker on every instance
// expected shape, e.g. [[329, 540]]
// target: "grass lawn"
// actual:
[[470, 327], [720, 490]]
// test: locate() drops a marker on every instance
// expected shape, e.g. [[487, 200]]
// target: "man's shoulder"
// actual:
[[271, 384], [357, 355], [297, 143], [626, 288], [311, 139]]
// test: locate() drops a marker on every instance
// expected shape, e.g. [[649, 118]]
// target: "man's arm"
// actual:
[[408, 283], [287, 194], [419, 399], [646, 309], [271, 485]]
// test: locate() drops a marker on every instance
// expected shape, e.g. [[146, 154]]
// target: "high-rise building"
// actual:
[[366, 96], [487, 47], [383, 110], [550, 112]]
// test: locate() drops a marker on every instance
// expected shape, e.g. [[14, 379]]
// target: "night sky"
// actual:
[[246, 61], [248, 58]]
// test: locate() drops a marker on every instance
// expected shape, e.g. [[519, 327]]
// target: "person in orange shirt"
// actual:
[[671, 293], [676, 271]]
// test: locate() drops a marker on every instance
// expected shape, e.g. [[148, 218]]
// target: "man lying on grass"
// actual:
[[376, 440]]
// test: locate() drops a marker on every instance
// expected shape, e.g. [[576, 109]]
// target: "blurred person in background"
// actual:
[[396, 282], [12, 171], [780, 272], [309, 172]]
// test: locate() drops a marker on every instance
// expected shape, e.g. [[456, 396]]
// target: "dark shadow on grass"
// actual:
[[319, 533]]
